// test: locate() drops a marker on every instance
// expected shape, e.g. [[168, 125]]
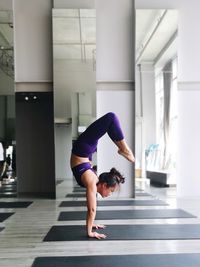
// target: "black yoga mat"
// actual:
[[126, 232], [127, 214], [148, 260], [79, 189], [82, 189], [8, 189], [15, 204], [8, 194], [142, 194], [81, 194], [133, 202], [5, 215]]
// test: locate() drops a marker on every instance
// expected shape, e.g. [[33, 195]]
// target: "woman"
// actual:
[[81, 157]]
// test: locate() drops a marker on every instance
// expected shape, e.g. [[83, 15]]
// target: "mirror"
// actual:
[[74, 75], [8, 187], [156, 96]]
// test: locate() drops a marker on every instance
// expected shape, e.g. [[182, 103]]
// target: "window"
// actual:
[[159, 94]]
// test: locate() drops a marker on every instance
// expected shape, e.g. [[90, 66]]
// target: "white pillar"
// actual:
[[115, 81]]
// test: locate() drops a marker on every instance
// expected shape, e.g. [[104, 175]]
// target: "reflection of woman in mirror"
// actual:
[[85, 175]]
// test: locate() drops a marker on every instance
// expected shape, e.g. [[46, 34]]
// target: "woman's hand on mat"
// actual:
[[98, 226], [97, 235]]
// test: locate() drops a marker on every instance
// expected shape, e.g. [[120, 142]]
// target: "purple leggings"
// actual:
[[86, 143]]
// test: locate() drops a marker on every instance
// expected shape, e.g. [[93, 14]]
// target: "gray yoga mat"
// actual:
[[5, 215], [126, 232], [143, 260], [132, 202], [15, 204], [127, 214]]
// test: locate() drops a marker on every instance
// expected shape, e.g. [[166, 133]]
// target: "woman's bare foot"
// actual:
[[124, 150], [127, 154]]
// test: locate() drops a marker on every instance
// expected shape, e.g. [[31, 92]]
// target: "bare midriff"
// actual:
[[76, 160]]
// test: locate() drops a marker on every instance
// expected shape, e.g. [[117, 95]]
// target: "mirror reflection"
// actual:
[[74, 71], [156, 96], [8, 186]]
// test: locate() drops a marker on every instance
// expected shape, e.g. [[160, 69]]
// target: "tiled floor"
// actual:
[[21, 240]]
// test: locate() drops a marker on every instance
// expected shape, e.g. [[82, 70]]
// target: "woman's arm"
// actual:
[[91, 206], [91, 210], [90, 179]]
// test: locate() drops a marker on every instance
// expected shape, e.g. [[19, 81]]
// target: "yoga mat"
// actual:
[[133, 202], [142, 194], [7, 189], [79, 189], [127, 214], [126, 232], [1, 228], [5, 215], [139, 190], [81, 194], [82, 189], [8, 194], [9, 186], [148, 260], [15, 204]]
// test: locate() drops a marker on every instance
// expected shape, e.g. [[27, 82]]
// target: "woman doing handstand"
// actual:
[[85, 175]]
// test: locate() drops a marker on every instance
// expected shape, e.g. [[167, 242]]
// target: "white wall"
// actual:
[[74, 3], [188, 91], [33, 41], [63, 144], [189, 144], [6, 5], [121, 103], [115, 40]]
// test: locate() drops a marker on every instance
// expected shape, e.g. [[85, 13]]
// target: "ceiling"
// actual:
[[74, 34], [156, 35]]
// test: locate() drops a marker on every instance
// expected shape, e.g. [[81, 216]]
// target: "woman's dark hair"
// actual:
[[111, 178]]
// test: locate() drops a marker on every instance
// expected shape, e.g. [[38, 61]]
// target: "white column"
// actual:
[[121, 103], [115, 81]]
